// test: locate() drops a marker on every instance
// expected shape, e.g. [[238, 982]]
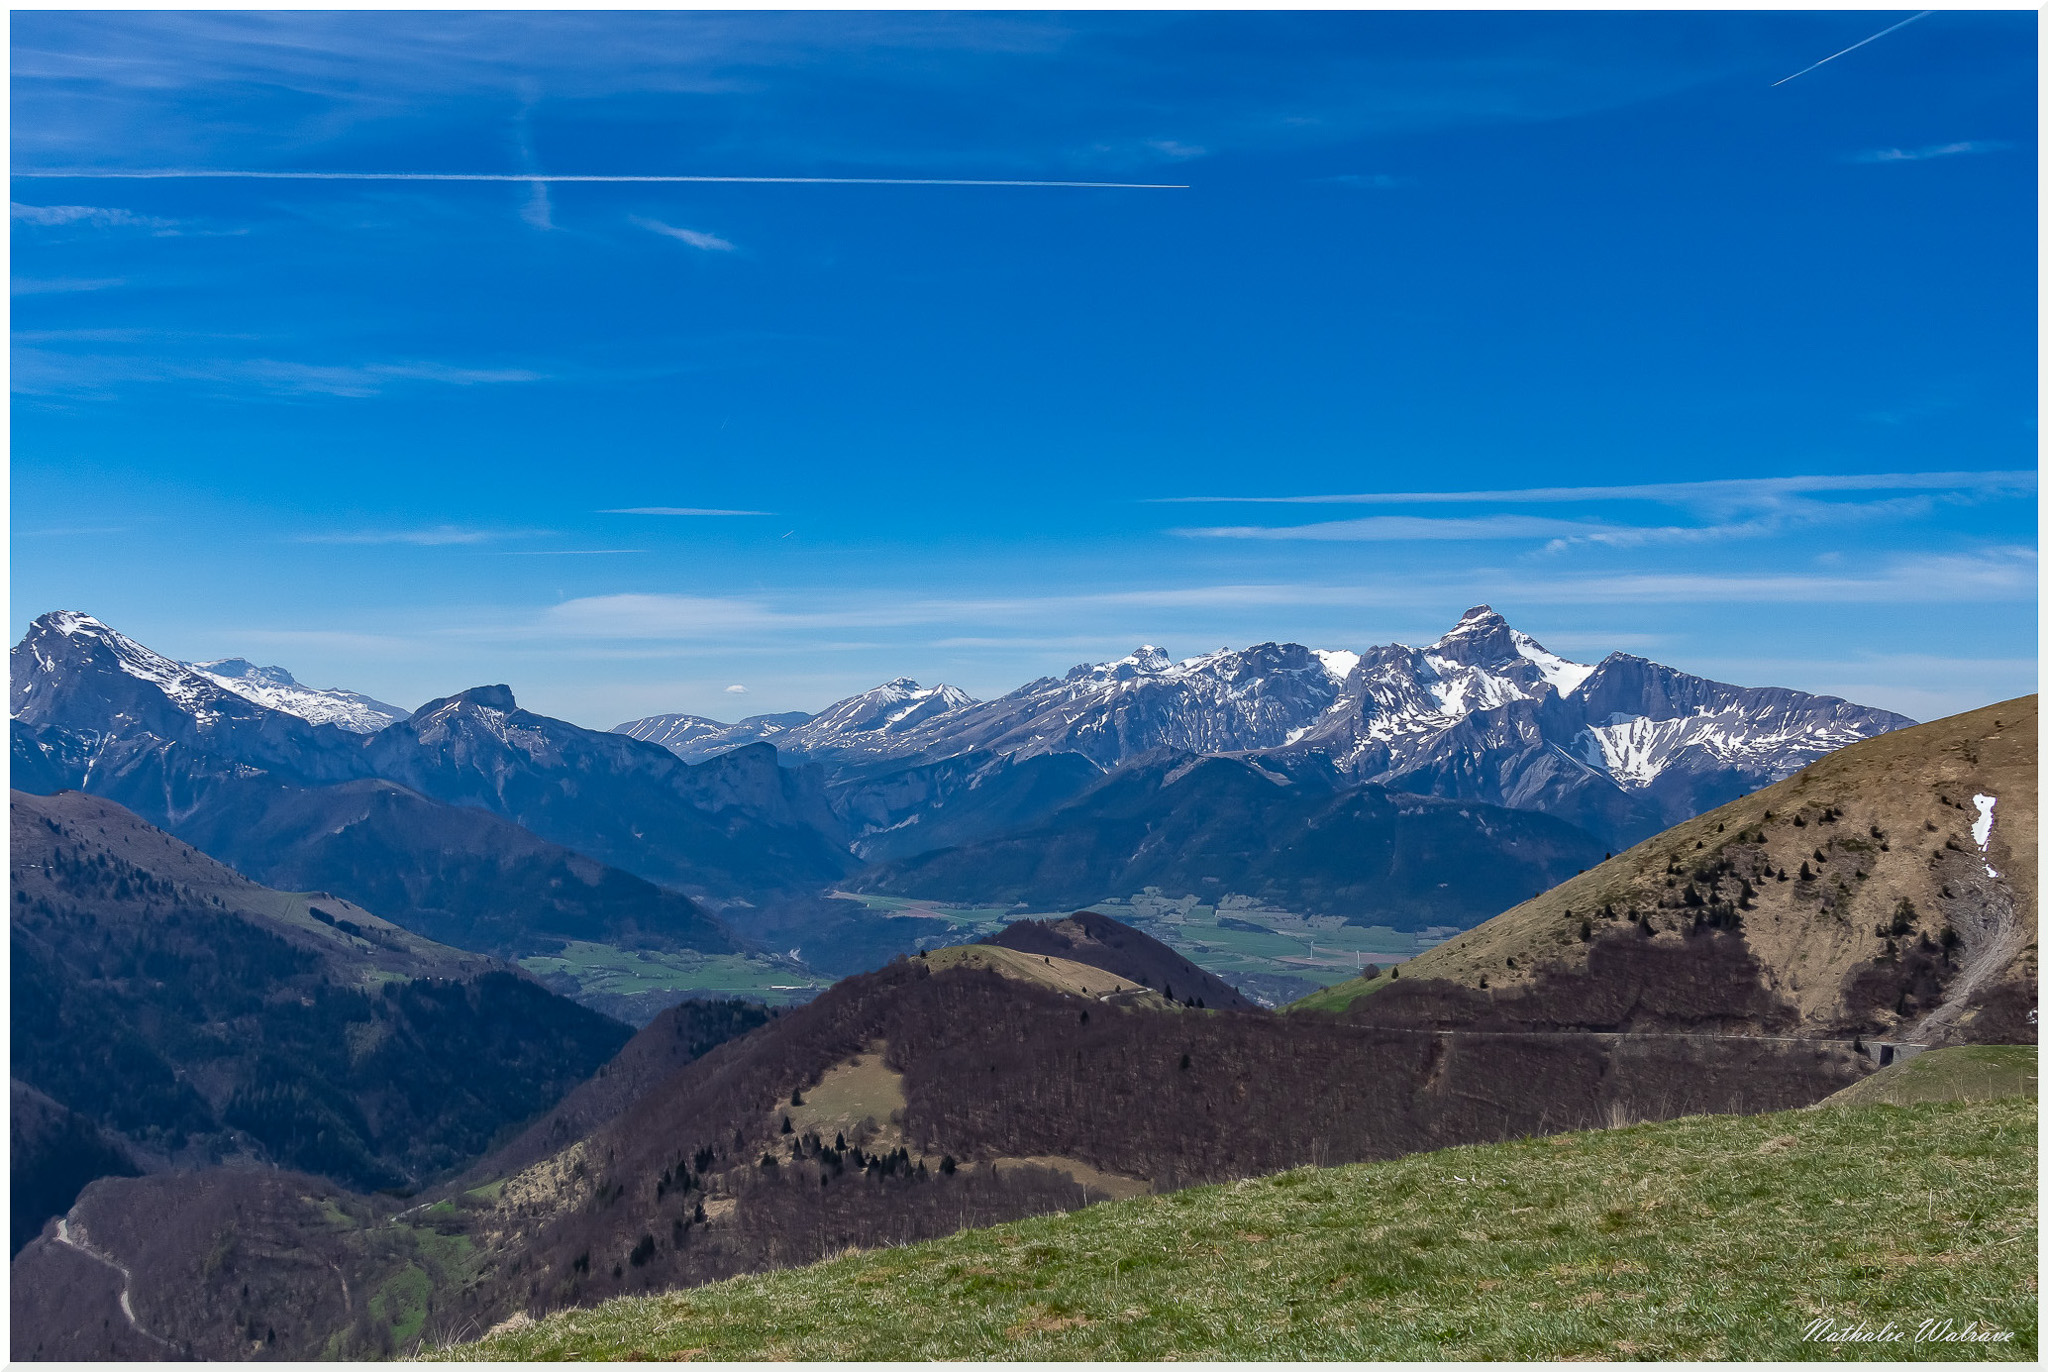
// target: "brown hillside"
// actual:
[[1122, 951], [1856, 886], [1042, 1099]]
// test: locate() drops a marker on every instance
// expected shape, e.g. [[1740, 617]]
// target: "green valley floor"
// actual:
[[1705, 1237]]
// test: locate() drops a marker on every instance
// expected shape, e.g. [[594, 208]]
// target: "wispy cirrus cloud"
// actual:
[[1979, 145], [85, 216], [708, 242], [1998, 575], [61, 285], [682, 511], [50, 372], [436, 536], [1424, 528], [1731, 508], [1722, 493]]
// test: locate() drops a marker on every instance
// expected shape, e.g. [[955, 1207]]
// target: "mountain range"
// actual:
[[1621, 748], [1405, 787], [505, 831]]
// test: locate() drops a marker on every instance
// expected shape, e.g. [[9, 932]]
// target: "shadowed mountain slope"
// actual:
[[195, 1016], [1206, 826], [897, 813], [52, 1153], [736, 824], [460, 876]]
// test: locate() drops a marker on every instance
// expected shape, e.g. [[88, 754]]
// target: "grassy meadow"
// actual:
[[603, 969], [1706, 1237]]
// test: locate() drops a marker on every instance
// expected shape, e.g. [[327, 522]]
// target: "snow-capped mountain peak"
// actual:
[[891, 708], [873, 720], [64, 645], [242, 669], [1148, 658], [1480, 635], [278, 689], [1485, 712], [73, 638]]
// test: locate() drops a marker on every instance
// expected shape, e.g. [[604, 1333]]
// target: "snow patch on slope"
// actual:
[[1560, 672], [277, 689]]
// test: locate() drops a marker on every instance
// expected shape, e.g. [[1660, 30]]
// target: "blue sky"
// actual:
[[1576, 314]]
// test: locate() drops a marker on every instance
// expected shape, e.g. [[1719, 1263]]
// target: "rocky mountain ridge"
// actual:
[[277, 688], [1621, 748]]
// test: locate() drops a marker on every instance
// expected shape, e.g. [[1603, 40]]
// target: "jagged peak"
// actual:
[[497, 698], [71, 622], [1481, 621], [1150, 657], [133, 657], [238, 668]]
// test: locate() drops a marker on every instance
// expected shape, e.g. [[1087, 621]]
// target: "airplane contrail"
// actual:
[[529, 177], [1853, 46]]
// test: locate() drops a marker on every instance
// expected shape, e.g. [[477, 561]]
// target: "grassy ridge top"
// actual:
[[1706, 1237], [1061, 974], [1972, 1072]]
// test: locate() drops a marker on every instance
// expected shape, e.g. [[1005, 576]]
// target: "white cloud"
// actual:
[[1730, 493], [1923, 154], [680, 510], [440, 535], [1740, 508], [736, 690], [44, 371], [56, 285], [1997, 575], [709, 242], [1424, 528], [92, 216]]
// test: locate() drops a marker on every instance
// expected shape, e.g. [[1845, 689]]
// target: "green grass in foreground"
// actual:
[[1708, 1237], [1976, 1072]]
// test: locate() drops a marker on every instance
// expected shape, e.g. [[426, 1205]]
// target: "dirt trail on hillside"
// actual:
[[82, 1245]]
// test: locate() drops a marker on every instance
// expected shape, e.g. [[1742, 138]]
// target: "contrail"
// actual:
[[529, 177], [1853, 46]]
